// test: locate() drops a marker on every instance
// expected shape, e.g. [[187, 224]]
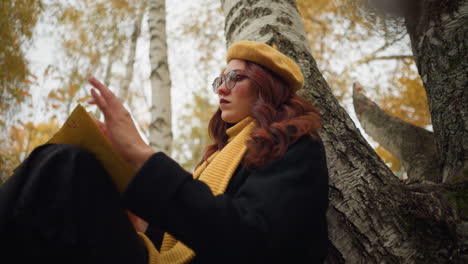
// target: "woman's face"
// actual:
[[236, 103]]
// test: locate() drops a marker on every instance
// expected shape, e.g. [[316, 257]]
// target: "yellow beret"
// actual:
[[270, 58]]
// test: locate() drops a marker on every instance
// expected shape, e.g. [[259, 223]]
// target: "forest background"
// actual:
[[49, 47], [361, 61]]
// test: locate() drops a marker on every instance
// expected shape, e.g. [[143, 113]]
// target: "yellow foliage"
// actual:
[[83, 99], [120, 4], [17, 20], [22, 93], [72, 89], [27, 81], [91, 35], [197, 139], [23, 138], [71, 15], [410, 103], [189, 145], [395, 163]]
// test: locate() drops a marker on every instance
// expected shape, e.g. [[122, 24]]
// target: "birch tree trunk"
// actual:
[[160, 131], [372, 217]]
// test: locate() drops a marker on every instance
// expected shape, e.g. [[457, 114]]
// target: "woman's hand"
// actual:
[[139, 224], [119, 126]]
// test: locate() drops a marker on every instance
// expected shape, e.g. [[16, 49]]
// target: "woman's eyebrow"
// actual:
[[236, 70]]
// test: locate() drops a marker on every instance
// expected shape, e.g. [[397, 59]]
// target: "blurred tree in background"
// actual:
[[205, 25], [17, 20], [93, 38]]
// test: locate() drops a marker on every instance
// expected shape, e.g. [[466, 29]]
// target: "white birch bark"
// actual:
[[160, 131], [372, 217]]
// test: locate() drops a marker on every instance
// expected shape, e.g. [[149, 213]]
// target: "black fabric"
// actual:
[[274, 214], [60, 206]]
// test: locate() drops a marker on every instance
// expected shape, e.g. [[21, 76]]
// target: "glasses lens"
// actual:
[[231, 80], [216, 84]]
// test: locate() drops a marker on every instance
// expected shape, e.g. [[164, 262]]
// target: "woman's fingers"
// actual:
[[105, 99], [106, 93], [119, 125], [100, 102]]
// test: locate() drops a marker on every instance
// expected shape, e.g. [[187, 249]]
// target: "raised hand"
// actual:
[[119, 125]]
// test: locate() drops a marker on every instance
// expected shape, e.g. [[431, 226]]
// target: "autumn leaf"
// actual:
[[73, 89], [52, 95], [84, 98], [23, 93]]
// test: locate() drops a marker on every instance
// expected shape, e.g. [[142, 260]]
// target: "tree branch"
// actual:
[[371, 56], [124, 89], [413, 145], [392, 57]]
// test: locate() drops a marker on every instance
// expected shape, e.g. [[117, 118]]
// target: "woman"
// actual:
[[259, 195]]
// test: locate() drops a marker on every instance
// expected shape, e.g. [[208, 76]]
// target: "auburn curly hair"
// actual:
[[281, 115]]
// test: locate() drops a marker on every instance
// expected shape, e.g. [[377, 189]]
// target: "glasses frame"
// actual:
[[229, 78]]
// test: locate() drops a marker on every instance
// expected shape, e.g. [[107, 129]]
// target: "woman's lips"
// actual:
[[223, 101]]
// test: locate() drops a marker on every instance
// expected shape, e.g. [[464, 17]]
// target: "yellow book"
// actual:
[[80, 129]]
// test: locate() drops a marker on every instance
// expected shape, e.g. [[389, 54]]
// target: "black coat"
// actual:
[[60, 206], [274, 214]]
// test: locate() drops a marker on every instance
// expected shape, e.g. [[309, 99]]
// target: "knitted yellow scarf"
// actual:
[[216, 173]]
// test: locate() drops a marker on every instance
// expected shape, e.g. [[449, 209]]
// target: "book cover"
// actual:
[[80, 129]]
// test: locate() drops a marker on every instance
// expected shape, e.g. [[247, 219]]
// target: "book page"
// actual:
[[81, 130]]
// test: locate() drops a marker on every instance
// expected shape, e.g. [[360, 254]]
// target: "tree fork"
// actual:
[[413, 145]]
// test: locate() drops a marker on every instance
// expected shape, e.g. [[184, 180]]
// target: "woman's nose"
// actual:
[[222, 89]]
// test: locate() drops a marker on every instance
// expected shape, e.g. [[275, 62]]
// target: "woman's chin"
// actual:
[[229, 119]]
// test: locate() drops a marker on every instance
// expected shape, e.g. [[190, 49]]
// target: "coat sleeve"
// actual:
[[281, 206]]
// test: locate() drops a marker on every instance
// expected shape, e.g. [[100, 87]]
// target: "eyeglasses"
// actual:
[[230, 78]]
